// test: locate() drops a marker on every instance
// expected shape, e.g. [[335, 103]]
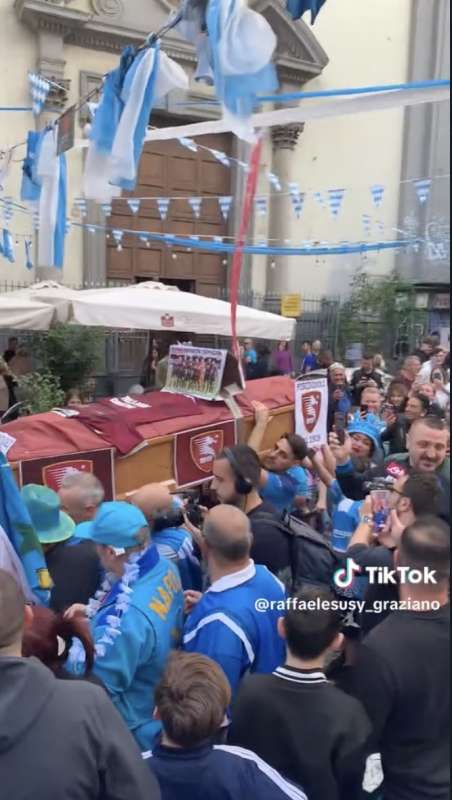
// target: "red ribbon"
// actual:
[[237, 258]]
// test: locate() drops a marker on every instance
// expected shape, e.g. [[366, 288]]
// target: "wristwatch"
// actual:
[[367, 520]]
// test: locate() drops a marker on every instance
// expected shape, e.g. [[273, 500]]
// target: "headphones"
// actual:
[[243, 485]]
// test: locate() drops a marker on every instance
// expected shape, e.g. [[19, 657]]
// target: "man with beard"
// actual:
[[236, 480], [427, 443]]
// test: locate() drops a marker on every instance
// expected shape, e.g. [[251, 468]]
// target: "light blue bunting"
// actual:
[[423, 189], [163, 206], [261, 205], [28, 254], [134, 205], [377, 192], [225, 206], [335, 198], [195, 203]]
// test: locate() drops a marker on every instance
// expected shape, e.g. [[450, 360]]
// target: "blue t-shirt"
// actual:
[[282, 488], [344, 517], [309, 363], [251, 355]]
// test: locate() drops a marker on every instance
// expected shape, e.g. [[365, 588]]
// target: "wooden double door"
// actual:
[[168, 169]]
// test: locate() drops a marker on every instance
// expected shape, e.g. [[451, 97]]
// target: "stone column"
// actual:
[[284, 139]]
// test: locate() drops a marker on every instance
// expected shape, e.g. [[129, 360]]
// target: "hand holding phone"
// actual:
[[380, 508], [340, 425]]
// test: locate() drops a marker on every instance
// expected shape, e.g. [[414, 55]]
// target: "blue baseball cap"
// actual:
[[116, 524]]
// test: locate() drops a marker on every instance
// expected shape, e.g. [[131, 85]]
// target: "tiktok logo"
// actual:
[[343, 578]]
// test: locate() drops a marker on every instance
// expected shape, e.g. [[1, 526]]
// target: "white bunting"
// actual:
[[261, 205], [335, 198], [297, 199], [367, 225], [134, 205], [39, 89], [423, 189], [195, 203], [189, 144], [118, 236], [225, 206], [221, 157], [106, 208], [274, 180], [377, 192], [163, 206]]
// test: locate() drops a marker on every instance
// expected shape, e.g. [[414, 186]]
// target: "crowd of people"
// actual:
[[293, 644]]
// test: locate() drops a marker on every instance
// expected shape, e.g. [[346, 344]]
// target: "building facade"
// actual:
[[75, 42]]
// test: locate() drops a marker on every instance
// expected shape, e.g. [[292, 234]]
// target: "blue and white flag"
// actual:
[[163, 206], [335, 198], [91, 229], [8, 246], [225, 206], [297, 199], [274, 180], [39, 90], [195, 203], [30, 189], [423, 189], [134, 205], [118, 237], [221, 157], [35, 220], [318, 196], [17, 525], [242, 46], [261, 206], [106, 208], [51, 172], [367, 224], [8, 211], [188, 143], [68, 226], [28, 254], [377, 192]]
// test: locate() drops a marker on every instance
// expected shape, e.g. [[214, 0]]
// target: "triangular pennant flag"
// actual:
[[91, 229], [225, 206], [145, 238], [163, 206], [244, 166], [261, 204], [195, 203], [39, 89], [367, 224], [8, 211], [7, 246], [68, 226], [221, 157], [118, 236], [297, 198], [423, 189], [335, 198], [134, 205], [106, 208], [377, 192], [35, 220], [28, 255], [274, 180], [189, 144], [320, 199]]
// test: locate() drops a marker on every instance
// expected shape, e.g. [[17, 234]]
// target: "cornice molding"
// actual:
[[299, 56]]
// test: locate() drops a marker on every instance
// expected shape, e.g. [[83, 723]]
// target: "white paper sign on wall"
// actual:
[[311, 409]]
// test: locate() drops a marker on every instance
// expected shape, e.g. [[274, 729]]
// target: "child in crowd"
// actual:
[[295, 718], [191, 701]]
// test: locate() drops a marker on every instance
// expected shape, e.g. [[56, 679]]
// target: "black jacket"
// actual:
[[64, 740], [396, 435], [306, 728], [402, 677]]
